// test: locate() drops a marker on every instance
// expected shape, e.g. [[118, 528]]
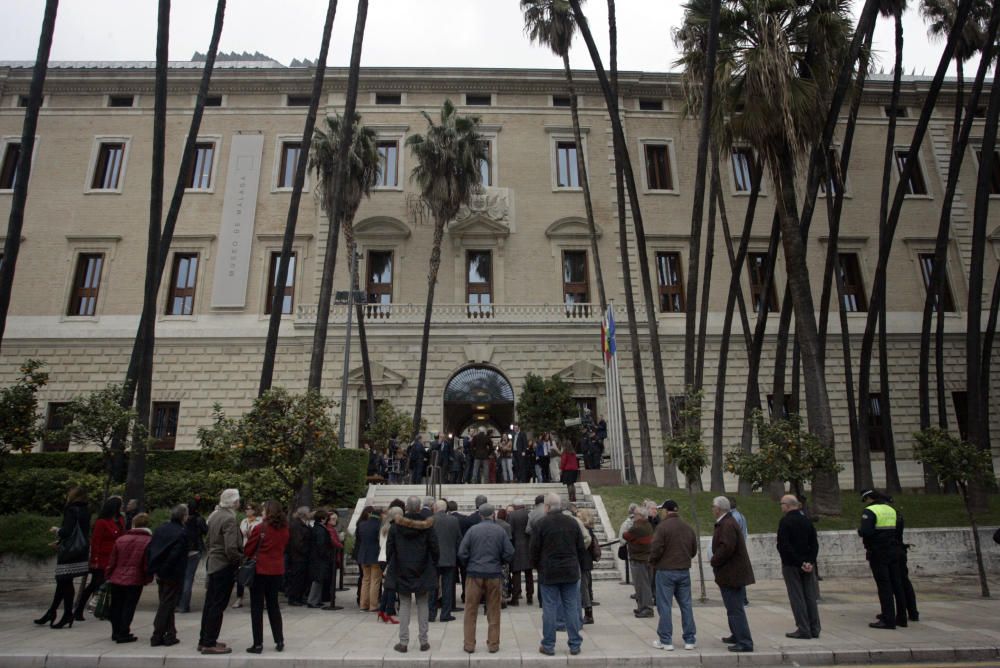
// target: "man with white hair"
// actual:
[[449, 535], [557, 551], [733, 572], [225, 550]]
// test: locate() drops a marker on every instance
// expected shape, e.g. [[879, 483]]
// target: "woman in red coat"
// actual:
[[267, 544], [107, 528], [570, 468], [127, 575]]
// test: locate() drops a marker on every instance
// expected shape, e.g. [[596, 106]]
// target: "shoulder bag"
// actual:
[[74, 548], [248, 570]]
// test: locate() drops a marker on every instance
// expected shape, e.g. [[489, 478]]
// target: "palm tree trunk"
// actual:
[[735, 294], [12, 244], [778, 407], [274, 323], [716, 186], [135, 482], [988, 337], [622, 159], [435, 264], [581, 165], [366, 369]]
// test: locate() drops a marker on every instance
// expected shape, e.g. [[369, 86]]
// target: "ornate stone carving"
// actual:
[[492, 203]]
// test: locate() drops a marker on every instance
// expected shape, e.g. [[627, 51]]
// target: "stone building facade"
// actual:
[[510, 263]]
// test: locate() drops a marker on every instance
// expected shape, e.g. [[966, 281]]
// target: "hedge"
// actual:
[[91, 462]]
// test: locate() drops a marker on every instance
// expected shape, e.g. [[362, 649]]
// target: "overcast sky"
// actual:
[[458, 33]]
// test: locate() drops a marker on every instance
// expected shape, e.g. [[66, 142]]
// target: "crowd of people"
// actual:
[[416, 553]]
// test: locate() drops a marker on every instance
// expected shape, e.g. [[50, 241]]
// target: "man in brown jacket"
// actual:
[[639, 538], [733, 573], [674, 545]]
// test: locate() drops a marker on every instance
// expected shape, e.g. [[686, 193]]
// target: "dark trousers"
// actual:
[[265, 589], [63, 595], [297, 581], [889, 582], [96, 580], [803, 593], [217, 593], [170, 594], [739, 627], [446, 592], [124, 599], [529, 586], [911, 596]]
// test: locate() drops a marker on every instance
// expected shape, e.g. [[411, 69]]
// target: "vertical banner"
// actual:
[[239, 206]]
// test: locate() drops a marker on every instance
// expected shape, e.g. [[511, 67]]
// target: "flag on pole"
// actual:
[[608, 335], [613, 391]]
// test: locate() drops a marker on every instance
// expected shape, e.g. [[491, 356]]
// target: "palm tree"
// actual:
[[550, 23], [447, 173], [361, 175], [623, 163], [12, 244]]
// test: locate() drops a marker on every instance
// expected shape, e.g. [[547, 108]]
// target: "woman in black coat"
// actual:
[[320, 558], [73, 547]]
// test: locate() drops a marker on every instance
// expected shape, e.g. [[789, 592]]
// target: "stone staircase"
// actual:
[[500, 496]]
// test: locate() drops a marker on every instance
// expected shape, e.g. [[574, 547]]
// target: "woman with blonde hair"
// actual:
[[73, 550], [387, 603]]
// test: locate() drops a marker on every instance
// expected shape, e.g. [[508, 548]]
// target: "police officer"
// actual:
[[879, 533]]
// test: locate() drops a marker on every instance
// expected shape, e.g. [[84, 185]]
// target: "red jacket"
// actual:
[[569, 462], [271, 556], [127, 565], [102, 540]]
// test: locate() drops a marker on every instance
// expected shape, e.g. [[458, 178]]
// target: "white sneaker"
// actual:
[[689, 645], [238, 603], [659, 645]]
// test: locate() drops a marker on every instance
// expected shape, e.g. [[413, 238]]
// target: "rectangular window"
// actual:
[[55, 421], [478, 99], [786, 409], [479, 283], [994, 171], [288, 294], [213, 101], [671, 282], [290, 151], [876, 437], [658, 175], [8, 168], [926, 270], [388, 98], [364, 417], [743, 166], [561, 101], [854, 289], [388, 176], [199, 175], [575, 284], [298, 100], [916, 185], [379, 283], [121, 101], [486, 166], [960, 400], [86, 284], [108, 170], [757, 267], [22, 101], [898, 112], [650, 105], [165, 414], [829, 184], [567, 174], [183, 280]]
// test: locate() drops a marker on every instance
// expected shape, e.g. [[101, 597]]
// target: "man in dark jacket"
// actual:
[[639, 539], [482, 446], [168, 562], [484, 550], [412, 549], [449, 536], [417, 460], [521, 450], [798, 548], [522, 556], [733, 572], [299, 544], [674, 546], [879, 533], [557, 551]]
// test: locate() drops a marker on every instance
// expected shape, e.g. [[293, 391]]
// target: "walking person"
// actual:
[[247, 524], [484, 550], [878, 532], [168, 563], [320, 559], [639, 538], [557, 550], [387, 603], [299, 545], [266, 544], [127, 574], [109, 526], [798, 548], [196, 529], [569, 467], [72, 556], [412, 550], [674, 546], [366, 539], [225, 552], [448, 531], [733, 573], [521, 564]]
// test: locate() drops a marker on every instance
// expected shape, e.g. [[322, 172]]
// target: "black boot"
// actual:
[[588, 615]]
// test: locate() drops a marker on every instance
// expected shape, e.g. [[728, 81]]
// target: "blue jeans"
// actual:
[[192, 570], [668, 585], [561, 602], [480, 470], [733, 597]]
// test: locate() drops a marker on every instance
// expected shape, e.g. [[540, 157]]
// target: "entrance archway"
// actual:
[[478, 396]]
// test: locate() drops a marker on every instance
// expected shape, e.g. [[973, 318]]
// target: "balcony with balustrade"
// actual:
[[460, 314]]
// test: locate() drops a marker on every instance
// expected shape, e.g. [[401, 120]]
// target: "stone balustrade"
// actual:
[[454, 314]]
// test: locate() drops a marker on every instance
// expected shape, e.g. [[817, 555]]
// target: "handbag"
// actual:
[[102, 601], [74, 548], [623, 551], [248, 570]]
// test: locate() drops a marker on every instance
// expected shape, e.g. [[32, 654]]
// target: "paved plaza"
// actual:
[[956, 625]]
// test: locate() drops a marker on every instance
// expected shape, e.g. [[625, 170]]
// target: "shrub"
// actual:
[[27, 535], [44, 490]]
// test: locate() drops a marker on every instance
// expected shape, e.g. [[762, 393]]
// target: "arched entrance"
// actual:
[[478, 396]]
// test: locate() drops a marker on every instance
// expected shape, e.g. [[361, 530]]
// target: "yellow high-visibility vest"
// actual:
[[885, 515]]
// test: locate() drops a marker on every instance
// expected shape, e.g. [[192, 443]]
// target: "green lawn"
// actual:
[[919, 510]]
